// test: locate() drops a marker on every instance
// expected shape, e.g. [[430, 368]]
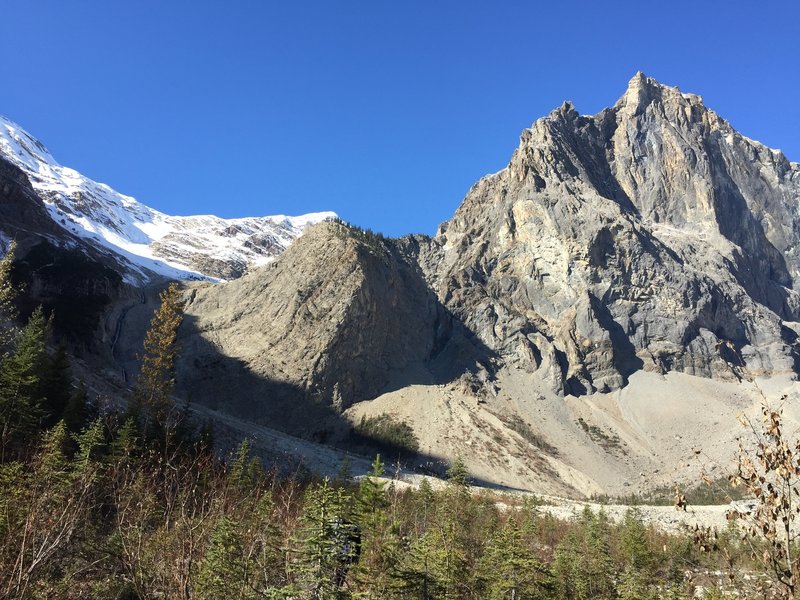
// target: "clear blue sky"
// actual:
[[385, 112]]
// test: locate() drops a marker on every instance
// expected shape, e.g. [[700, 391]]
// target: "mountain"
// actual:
[[619, 258], [149, 242], [651, 236], [591, 315]]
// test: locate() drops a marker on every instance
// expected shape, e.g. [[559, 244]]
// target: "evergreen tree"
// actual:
[[76, 412], [457, 474], [419, 573], [264, 549], [570, 582], [329, 542], [56, 387], [21, 377], [371, 498], [582, 566], [8, 312], [633, 542], [152, 399], [380, 540], [224, 572], [437, 564], [511, 569], [599, 567]]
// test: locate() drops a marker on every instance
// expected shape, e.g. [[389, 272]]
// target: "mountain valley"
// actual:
[[590, 321]]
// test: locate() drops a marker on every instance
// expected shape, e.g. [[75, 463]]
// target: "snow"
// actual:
[[165, 244]]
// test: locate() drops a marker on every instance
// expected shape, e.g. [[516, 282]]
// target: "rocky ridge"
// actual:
[[649, 236], [590, 314]]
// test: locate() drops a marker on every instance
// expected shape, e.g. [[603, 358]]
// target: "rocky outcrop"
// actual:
[[330, 322], [650, 236], [74, 281]]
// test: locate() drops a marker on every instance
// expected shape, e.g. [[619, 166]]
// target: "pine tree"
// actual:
[[21, 377], [329, 542], [633, 542], [380, 540], [224, 572], [76, 412], [8, 312], [599, 566], [419, 573], [511, 569], [437, 564], [56, 387], [457, 474], [570, 583], [371, 498], [582, 567], [152, 399]]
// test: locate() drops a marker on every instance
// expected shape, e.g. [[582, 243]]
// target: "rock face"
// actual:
[[330, 322], [649, 236], [648, 239]]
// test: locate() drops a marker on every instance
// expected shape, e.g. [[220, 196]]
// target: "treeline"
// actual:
[[106, 514], [135, 504]]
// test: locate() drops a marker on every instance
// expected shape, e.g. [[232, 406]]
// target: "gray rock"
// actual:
[[649, 236]]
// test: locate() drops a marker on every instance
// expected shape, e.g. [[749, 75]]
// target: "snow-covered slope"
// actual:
[[204, 246]]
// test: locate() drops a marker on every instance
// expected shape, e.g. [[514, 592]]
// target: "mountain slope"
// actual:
[[152, 242], [650, 236]]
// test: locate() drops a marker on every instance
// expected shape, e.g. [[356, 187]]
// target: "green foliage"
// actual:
[[583, 567], [326, 544], [8, 312], [76, 412], [386, 432], [21, 383], [114, 519], [152, 393], [56, 387], [457, 473], [373, 240], [224, 571], [607, 442], [511, 568], [515, 423]]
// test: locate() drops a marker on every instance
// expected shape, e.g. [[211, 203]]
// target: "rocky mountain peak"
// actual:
[[648, 236], [643, 91]]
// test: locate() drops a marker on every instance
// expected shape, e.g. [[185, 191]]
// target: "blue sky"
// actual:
[[383, 112]]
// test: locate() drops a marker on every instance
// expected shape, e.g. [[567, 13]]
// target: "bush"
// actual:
[[386, 432]]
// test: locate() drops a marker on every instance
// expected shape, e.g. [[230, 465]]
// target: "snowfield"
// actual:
[[178, 247]]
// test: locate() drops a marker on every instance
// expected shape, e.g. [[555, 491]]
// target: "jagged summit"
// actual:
[[177, 247], [647, 236]]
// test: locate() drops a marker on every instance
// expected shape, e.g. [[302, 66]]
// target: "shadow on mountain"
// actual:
[[760, 268], [227, 385], [625, 360]]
